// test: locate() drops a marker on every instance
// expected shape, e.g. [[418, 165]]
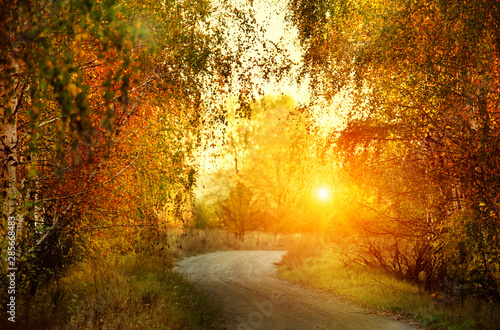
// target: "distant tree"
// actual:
[[239, 212], [261, 153]]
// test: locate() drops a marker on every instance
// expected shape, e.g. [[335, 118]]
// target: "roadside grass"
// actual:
[[382, 293], [138, 289], [122, 292]]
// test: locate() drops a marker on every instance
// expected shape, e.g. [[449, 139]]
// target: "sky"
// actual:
[[270, 14]]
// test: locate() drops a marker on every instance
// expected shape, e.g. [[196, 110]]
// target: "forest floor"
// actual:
[[245, 286]]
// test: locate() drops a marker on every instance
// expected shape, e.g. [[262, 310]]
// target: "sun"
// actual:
[[323, 193]]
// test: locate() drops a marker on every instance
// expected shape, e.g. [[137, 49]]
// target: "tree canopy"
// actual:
[[102, 106], [425, 141]]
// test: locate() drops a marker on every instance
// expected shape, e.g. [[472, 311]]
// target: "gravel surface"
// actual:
[[244, 284]]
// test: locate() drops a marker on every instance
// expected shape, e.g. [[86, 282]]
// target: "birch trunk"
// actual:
[[8, 154]]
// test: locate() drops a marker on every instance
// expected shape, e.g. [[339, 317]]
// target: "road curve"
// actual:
[[244, 284]]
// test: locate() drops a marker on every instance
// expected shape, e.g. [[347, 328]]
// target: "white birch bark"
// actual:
[[8, 153]]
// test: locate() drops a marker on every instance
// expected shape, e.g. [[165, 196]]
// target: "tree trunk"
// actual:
[[8, 154]]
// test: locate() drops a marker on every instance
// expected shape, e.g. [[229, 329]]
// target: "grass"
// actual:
[[382, 293], [122, 292], [138, 290]]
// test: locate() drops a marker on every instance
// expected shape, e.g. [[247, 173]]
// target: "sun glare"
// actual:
[[323, 193]]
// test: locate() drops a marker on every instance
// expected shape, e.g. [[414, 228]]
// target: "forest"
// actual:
[[126, 121]]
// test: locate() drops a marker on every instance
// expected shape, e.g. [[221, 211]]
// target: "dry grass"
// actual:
[[139, 290], [378, 291], [122, 292]]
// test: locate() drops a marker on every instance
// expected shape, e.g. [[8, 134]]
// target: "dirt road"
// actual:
[[244, 284]]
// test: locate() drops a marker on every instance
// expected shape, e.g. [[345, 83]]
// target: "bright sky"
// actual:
[[323, 193], [270, 14]]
